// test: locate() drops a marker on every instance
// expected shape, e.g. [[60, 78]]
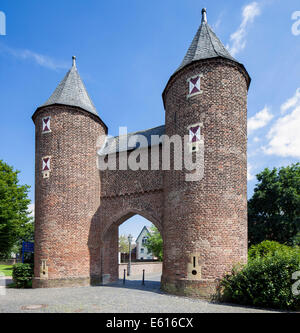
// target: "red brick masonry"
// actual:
[[204, 223], [136, 269]]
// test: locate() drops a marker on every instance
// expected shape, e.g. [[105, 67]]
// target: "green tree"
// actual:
[[274, 209], [266, 281], [270, 248], [123, 244], [154, 243], [15, 222], [26, 233]]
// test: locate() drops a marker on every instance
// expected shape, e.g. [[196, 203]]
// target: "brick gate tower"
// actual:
[[205, 221], [201, 212], [67, 185]]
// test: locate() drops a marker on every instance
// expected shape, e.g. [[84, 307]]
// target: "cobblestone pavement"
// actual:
[[114, 298]]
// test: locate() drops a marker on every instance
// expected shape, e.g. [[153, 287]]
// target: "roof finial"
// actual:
[[204, 17], [73, 61]]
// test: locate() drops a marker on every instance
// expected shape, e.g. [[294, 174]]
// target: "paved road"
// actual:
[[114, 298]]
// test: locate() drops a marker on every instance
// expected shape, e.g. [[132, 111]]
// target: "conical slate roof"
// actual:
[[205, 45], [71, 91]]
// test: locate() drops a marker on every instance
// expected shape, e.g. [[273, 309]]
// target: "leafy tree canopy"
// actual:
[[15, 223], [274, 209], [154, 243], [123, 244]]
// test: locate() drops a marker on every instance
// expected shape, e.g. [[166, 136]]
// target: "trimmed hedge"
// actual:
[[266, 281], [22, 275]]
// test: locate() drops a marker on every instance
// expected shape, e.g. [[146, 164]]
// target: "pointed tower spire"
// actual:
[[204, 17], [71, 91], [205, 45], [73, 61]]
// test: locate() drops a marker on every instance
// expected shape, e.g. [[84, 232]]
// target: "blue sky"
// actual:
[[126, 52]]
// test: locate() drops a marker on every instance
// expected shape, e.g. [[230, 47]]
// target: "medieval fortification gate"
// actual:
[[78, 208]]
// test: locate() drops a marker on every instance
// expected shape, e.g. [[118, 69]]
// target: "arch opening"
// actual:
[[135, 257]]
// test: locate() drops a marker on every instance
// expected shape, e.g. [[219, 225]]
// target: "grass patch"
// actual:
[[6, 270]]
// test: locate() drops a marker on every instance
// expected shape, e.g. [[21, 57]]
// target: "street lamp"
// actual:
[[129, 261]]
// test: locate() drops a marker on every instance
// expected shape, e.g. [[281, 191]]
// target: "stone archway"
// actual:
[[146, 205]]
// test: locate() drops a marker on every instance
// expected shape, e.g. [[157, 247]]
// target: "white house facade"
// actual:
[[141, 249]]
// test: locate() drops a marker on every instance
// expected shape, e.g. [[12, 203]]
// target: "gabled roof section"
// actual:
[[71, 91], [132, 141], [205, 45], [144, 228]]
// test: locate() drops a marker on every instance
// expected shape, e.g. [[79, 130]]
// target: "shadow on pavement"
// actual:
[[152, 284]]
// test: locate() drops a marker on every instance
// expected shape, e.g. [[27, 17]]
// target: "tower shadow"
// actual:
[[151, 284]]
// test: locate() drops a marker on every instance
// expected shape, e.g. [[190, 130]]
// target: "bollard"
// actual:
[[124, 276], [143, 281]]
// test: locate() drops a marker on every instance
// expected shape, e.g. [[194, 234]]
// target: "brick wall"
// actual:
[[136, 269], [116, 183], [67, 201], [207, 219]]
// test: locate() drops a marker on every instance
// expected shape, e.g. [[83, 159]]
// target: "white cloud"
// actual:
[[291, 102], [284, 136], [31, 210], [249, 174], [256, 139], [217, 24], [238, 38], [40, 59], [261, 119]]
